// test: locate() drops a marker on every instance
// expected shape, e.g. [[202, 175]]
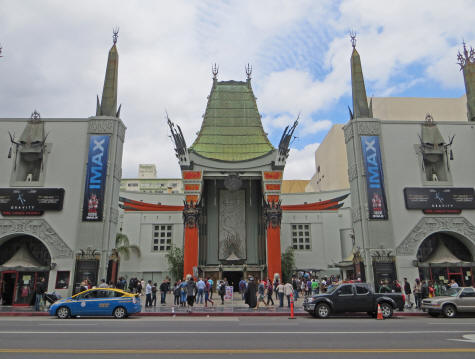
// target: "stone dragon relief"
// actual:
[[348, 131], [232, 225], [40, 229], [372, 128], [427, 226]]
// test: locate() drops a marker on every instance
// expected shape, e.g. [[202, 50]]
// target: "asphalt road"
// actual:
[[241, 337]]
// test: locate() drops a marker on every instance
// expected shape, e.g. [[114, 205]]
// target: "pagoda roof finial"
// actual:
[[215, 70], [115, 34], [248, 69], [353, 38], [467, 57]]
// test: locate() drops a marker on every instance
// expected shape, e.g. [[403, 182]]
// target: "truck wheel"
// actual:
[[119, 313], [449, 311], [323, 310], [63, 312], [433, 314], [387, 310]]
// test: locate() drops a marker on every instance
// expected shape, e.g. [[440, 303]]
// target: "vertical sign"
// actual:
[[374, 177], [93, 205]]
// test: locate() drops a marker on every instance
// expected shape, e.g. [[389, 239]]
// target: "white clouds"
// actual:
[[55, 56], [301, 163]]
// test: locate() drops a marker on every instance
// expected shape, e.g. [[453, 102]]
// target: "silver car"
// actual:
[[454, 300]]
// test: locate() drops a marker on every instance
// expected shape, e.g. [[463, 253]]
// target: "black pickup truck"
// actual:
[[353, 297]]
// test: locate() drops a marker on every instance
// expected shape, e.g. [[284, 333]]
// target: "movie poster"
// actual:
[[377, 207], [94, 192]]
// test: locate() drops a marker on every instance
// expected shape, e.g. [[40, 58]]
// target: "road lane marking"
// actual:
[[240, 332], [469, 338], [236, 351]]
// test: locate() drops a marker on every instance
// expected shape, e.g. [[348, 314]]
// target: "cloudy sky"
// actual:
[[55, 54]]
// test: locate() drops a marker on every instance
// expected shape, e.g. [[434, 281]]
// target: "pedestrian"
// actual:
[[270, 290], [280, 292], [177, 293], [396, 286], [453, 284], [288, 289], [138, 287], [103, 284], [163, 292], [211, 288], [40, 292], [207, 298], [261, 289], [295, 286], [407, 290], [431, 289], [250, 295], [154, 294], [276, 283], [424, 290], [190, 291], [183, 293], [242, 287], [200, 286], [222, 291], [418, 293], [148, 294]]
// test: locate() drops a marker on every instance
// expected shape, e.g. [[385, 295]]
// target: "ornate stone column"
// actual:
[[273, 217]]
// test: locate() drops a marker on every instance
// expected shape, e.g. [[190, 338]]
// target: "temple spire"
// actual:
[[467, 65], [108, 105], [360, 101]]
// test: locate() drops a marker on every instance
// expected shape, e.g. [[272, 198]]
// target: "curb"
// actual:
[[211, 314]]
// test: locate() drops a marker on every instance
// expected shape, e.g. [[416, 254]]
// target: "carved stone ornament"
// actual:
[[191, 214], [40, 229], [430, 225], [355, 214], [352, 171], [101, 126], [121, 131], [272, 214], [348, 130], [88, 254], [372, 128], [114, 217], [233, 182], [383, 252]]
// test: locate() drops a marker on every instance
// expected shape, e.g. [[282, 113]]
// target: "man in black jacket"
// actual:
[[40, 291], [407, 290]]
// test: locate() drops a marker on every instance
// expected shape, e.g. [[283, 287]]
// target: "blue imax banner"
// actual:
[[374, 177], [93, 205]]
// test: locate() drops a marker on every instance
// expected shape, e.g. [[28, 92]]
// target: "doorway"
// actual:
[[8, 287], [233, 279]]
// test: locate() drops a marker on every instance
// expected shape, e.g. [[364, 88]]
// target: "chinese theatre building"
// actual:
[[412, 183], [59, 189]]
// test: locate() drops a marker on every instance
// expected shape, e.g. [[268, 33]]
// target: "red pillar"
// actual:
[[273, 251], [191, 250]]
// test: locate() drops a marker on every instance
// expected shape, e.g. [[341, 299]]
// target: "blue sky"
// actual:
[[55, 55]]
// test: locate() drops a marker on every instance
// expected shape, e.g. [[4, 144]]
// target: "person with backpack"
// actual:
[[222, 291], [207, 291], [190, 292], [183, 293], [154, 294], [177, 293], [270, 290]]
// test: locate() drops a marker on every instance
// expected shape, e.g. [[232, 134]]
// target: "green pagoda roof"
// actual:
[[232, 128]]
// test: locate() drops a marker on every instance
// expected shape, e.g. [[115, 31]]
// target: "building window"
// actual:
[[301, 237], [162, 237], [62, 280]]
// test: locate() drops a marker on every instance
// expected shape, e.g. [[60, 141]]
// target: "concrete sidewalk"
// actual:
[[235, 307]]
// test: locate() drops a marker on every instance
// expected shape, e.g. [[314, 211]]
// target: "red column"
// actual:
[[191, 250], [273, 251]]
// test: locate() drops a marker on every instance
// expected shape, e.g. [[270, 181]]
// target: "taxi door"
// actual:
[[104, 302], [84, 304]]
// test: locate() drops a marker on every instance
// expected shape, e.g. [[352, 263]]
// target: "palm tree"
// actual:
[[123, 248]]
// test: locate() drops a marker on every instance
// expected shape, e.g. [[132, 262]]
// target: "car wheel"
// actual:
[[63, 312], [119, 313], [387, 310], [449, 311], [323, 310], [433, 314]]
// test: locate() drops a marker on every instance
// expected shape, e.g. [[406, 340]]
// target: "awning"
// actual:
[[22, 260], [347, 262], [443, 257]]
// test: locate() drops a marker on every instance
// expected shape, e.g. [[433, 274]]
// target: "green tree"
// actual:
[[123, 248], [175, 262], [288, 264]]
